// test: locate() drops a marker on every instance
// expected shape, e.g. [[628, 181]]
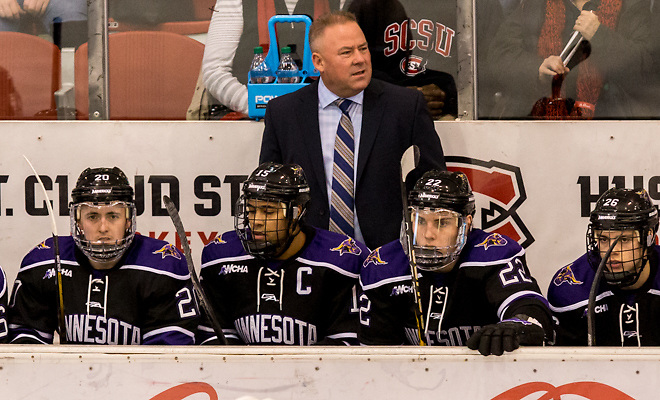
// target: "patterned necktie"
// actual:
[[342, 200]]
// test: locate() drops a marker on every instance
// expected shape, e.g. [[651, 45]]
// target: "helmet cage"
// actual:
[[634, 252], [270, 236], [99, 251], [436, 258]]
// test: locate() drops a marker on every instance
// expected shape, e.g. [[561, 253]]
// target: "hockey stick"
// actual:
[[409, 161], [203, 300], [591, 305], [61, 329]]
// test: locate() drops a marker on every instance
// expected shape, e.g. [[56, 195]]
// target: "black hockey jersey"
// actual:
[[490, 283], [307, 299], [4, 295], [147, 298], [622, 317]]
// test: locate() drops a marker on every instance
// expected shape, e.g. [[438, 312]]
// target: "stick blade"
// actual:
[[409, 161]]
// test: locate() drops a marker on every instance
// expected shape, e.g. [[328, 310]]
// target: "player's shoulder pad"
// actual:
[[224, 245], [156, 256], [571, 283], [336, 251], [43, 253], [485, 248], [388, 263]]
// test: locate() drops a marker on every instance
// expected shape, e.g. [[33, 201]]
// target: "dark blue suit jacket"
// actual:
[[394, 118]]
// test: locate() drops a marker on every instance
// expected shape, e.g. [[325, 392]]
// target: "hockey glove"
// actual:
[[507, 335]]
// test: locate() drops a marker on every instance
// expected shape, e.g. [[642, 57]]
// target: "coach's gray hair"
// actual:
[[326, 20]]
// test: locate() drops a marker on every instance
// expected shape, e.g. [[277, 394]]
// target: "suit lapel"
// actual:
[[372, 112], [308, 120]]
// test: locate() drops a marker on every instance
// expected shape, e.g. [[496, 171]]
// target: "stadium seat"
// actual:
[[203, 10], [29, 76], [152, 75]]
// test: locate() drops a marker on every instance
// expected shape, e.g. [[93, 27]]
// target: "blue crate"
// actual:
[[260, 93]]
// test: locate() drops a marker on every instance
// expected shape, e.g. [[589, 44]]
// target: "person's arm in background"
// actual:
[[221, 45]]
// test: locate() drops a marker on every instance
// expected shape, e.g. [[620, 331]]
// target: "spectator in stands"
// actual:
[[609, 83], [237, 27], [45, 12]]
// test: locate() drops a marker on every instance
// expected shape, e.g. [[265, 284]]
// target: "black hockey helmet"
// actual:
[[97, 187], [443, 189], [102, 185], [439, 198], [279, 187], [623, 210]]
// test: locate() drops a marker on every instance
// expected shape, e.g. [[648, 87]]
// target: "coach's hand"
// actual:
[[507, 335]]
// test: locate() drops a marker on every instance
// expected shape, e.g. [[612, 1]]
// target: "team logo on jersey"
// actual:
[[169, 250], [233, 268], [493, 240], [348, 246], [51, 273], [499, 191], [218, 240], [566, 275], [42, 246], [413, 65], [374, 258]]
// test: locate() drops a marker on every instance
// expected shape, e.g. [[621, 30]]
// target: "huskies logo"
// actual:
[[374, 258], [493, 240], [348, 246], [566, 275], [169, 250], [499, 189], [413, 65]]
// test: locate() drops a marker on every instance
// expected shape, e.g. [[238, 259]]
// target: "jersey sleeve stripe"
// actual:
[[494, 262], [25, 335], [4, 283], [385, 281], [523, 293], [227, 259], [168, 329], [328, 265], [46, 262], [157, 271], [350, 335], [579, 304]]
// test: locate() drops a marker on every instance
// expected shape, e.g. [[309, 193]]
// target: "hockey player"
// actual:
[[275, 280], [4, 295], [475, 287], [628, 298], [118, 287]]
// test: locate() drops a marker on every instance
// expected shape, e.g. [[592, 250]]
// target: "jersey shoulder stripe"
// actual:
[[335, 251], [337, 268]]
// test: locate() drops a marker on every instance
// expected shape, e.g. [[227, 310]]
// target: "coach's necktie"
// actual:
[[342, 200]]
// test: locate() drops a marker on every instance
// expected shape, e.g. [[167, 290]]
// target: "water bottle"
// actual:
[[259, 71], [287, 72]]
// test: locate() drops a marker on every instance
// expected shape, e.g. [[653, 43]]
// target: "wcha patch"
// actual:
[[566, 275], [348, 246], [169, 250], [493, 240], [374, 258]]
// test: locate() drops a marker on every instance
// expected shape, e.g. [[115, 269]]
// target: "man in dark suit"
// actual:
[[302, 127]]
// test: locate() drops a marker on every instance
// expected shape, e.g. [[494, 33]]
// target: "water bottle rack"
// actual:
[[260, 93]]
